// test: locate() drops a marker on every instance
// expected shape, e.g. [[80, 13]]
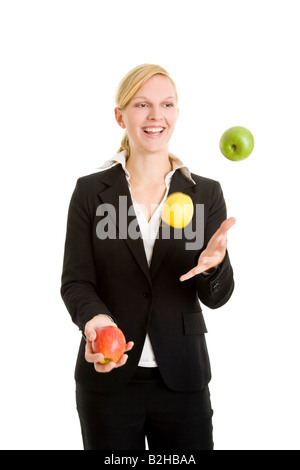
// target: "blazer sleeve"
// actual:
[[215, 289], [79, 286]]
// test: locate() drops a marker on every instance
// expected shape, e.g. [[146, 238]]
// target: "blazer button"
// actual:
[[147, 295]]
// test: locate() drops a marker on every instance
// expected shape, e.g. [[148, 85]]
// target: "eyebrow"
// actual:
[[145, 98]]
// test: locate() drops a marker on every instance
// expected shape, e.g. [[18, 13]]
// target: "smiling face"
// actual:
[[151, 115]]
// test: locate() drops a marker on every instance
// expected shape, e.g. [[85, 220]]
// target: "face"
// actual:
[[151, 115]]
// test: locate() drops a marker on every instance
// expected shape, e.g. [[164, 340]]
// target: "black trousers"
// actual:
[[146, 408]]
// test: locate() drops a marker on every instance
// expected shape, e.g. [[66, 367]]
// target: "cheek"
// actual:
[[172, 121], [172, 118], [132, 129], [132, 121]]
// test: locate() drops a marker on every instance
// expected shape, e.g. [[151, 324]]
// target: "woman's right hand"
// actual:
[[100, 321]]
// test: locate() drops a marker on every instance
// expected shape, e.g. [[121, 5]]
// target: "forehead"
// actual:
[[157, 86]]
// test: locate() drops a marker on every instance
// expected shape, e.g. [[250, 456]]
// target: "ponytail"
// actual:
[[125, 145]]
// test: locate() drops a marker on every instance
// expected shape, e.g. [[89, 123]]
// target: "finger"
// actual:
[[90, 334], [221, 242], [193, 272], [88, 350], [226, 225], [90, 356], [111, 365], [93, 358], [129, 346], [122, 361], [222, 231], [105, 368], [220, 236]]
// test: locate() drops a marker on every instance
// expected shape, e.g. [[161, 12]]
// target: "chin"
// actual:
[[156, 148]]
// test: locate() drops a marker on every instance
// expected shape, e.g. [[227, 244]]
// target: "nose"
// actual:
[[155, 113]]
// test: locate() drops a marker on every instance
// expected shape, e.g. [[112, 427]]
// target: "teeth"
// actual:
[[154, 130]]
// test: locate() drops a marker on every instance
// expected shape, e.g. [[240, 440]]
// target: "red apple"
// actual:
[[110, 342]]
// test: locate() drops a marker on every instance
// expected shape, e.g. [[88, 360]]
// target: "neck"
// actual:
[[149, 168]]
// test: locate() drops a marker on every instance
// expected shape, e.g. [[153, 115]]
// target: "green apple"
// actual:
[[236, 143]]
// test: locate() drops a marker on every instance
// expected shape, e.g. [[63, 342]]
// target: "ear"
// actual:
[[119, 118]]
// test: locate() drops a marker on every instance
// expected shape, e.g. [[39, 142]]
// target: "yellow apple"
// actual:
[[177, 210]]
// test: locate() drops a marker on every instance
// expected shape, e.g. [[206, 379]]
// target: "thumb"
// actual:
[[90, 334]]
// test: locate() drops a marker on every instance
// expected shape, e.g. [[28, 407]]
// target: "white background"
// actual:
[[235, 62]]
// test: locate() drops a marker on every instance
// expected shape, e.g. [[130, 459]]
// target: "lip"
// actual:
[[154, 136]]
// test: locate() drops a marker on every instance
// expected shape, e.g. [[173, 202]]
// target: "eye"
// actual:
[[141, 105], [169, 105]]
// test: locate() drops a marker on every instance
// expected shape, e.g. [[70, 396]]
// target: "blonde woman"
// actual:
[[124, 267]]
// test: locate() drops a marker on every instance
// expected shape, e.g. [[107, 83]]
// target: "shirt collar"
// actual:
[[176, 163]]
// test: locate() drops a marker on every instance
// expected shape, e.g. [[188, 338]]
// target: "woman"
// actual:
[[124, 267]]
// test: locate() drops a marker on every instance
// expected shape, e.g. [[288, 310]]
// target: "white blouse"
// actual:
[[149, 230]]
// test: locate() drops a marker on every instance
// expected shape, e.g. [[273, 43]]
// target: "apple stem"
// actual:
[[234, 148]]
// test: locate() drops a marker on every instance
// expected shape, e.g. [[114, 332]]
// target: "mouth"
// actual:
[[154, 131]]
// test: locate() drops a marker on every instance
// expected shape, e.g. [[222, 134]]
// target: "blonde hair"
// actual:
[[130, 84]]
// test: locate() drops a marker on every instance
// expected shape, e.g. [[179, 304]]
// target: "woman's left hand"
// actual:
[[214, 253]]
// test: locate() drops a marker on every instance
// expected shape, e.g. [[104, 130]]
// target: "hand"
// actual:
[[90, 333], [214, 253]]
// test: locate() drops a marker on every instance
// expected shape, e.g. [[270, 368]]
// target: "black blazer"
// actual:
[[111, 276]]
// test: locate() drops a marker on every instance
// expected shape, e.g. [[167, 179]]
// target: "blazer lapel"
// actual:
[[116, 193], [165, 238]]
